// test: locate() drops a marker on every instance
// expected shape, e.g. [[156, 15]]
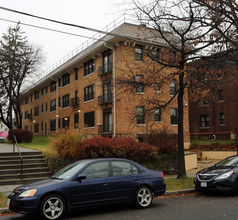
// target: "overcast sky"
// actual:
[[90, 13]]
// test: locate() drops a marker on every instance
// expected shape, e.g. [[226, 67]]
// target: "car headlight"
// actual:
[[224, 175], [28, 193]]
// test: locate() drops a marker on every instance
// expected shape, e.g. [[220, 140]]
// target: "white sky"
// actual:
[[90, 13]]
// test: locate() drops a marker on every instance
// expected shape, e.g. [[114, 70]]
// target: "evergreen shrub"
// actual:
[[21, 135]]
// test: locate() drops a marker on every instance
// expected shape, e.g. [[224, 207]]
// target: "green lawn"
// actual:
[[3, 200], [211, 142], [179, 184], [41, 143]]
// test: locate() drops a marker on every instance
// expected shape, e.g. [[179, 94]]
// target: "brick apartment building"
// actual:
[[218, 118], [82, 94]]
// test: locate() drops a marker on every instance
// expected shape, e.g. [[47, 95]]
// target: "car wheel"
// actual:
[[52, 207], [143, 197]]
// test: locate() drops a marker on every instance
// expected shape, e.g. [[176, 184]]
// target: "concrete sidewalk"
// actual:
[[8, 148]]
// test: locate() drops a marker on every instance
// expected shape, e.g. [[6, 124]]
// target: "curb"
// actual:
[[5, 210], [169, 193], [179, 192]]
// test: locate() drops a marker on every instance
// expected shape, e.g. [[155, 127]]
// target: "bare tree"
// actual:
[[187, 36], [18, 61], [224, 12]]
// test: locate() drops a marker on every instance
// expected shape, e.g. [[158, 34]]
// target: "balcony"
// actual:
[[105, 129], [105, 69], [74, 101], [105, 99]]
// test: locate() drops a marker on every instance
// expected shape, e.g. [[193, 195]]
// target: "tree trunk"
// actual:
[[181, 161]]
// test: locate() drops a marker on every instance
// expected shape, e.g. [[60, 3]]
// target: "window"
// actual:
[[120, 168], [97, 170], [59, 82], [89, 93], [42, 108], [172, 88], [65, 79], [221, 95], [59, 104], [107, 93], [36, 111], [89, 67], [42, 126], [52, 125], [36, 128], [76, 75], [140, 115], [26, 100], [156, 87], [76, 120], [138, 53], [173, 116], [46, 106], [53, 105], [222, 119], [59, 123], [107, 62], [139, 84], [89, 119], [155, 54], [46, 89], [204, 121], [157, 114], [31, 98], [26, 114], [36, 95], [65, 122], [65, 101], [203, 103], [53, 86], [42, 91]]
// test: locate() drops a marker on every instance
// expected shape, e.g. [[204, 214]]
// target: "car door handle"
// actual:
[[105, 184]]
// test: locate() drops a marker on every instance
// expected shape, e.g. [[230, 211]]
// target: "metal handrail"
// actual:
[[19, 152]]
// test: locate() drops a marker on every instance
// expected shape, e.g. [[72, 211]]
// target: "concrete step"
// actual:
[[34, 167], [24, 175], [25, 157], [18, 166], [22, 153], [19, 181], [24, 161]]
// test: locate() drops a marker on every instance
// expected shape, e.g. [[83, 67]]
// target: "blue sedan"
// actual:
[[89, 183]]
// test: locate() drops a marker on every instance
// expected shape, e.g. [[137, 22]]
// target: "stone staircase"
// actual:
[[34, 168]]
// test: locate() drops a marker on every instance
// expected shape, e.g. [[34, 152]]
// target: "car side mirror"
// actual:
[[81, 177]]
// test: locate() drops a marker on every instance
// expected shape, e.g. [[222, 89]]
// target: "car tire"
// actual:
[[143, 197], [52, 207]]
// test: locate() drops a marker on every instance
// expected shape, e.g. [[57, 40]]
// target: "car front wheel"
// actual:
[[52, 207], [143, 197]]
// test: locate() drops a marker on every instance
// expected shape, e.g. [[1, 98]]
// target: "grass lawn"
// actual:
[[3, 200], [41, 143], [211, 142], [179, 184]]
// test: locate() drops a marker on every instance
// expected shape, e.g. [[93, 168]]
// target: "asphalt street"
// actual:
[[186, 207]]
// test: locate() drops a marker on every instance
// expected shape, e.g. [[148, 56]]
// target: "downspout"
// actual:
[[114, 88]]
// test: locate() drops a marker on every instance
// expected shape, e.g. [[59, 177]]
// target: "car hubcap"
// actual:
[[53, 208], [144, 197]]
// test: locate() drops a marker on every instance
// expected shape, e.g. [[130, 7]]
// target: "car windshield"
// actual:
[[70, 170], [229, 162]]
